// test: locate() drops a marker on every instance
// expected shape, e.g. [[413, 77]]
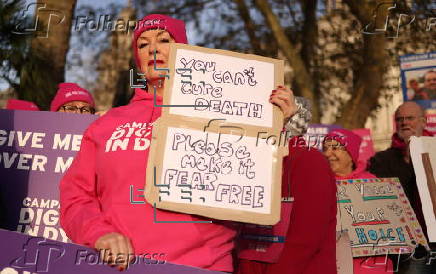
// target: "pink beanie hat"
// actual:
[[68, 92], [349, 140], [21, 105], [175, 27]]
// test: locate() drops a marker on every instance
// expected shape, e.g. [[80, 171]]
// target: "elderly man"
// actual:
[[430, 84], [428, 92], [396, 162]]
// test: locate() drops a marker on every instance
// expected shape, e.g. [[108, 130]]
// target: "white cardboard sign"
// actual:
[[420, 148], [220, 84]]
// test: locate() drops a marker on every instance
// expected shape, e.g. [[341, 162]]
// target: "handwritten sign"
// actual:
[[344, 258], [423, 154], [214, 174], [231, 172], [218, 84], [378, 217]]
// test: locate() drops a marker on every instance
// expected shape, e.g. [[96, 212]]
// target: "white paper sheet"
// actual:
[[236, 89], [217, 170]]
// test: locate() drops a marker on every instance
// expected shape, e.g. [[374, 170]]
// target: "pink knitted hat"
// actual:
[[21, 105], [349, 140], [175, 27], [68, 92]]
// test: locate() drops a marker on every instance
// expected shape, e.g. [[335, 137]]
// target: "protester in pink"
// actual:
[[100, 194], [16, 104], [72, 98], [341, 148]]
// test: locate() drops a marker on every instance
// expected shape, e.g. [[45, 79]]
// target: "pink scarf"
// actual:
[[398, 143]]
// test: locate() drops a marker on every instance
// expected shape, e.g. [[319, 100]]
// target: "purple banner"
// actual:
[[36, 148], [26, 254], [316, 133]]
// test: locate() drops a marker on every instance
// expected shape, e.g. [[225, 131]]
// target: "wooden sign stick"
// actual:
[[430, 179]]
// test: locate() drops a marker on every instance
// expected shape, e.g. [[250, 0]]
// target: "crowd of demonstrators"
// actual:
[[341, 148], [95, 213], [396, 162]]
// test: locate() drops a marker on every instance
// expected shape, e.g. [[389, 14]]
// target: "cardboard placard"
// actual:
[[344, 258], [378, 217], [222, 84], [209, 174], [224, 164], [423, 154]]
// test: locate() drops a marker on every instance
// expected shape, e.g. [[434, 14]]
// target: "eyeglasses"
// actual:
[[82, 110], [335, 147], [405, 118]]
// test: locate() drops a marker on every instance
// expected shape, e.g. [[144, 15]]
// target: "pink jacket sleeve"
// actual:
[[311, 240], [81, 215]]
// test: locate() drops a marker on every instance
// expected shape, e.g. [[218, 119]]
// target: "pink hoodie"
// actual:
[[95, 194]]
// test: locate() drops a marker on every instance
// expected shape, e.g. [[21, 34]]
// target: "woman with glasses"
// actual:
[[341, 148], [72, 98]]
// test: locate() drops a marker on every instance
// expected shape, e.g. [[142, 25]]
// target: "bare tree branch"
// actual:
[[45, 66], [303, 81], [249, 26], [370, 74], [310, 31], [360, 9], [308, 41]]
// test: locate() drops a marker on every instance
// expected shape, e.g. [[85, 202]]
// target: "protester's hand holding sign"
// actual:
[[116, 250], [283, 97]]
